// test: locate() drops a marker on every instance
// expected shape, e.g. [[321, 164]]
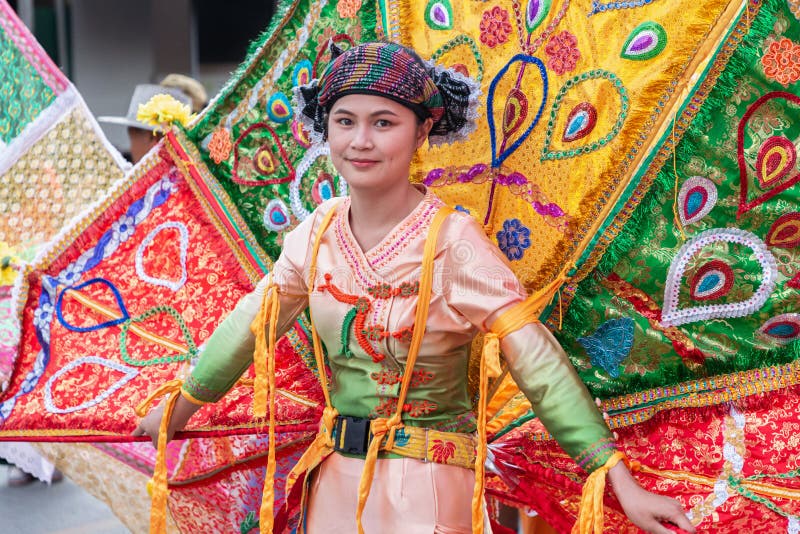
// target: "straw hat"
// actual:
[[190, 87]]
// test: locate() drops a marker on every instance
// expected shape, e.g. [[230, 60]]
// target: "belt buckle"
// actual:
[[352, 435], [426, 460]]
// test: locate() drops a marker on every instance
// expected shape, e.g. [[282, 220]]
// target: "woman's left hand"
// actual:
[[646, 510]]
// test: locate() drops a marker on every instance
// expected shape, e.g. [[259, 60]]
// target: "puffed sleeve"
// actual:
[[229, 350], [482, 288]]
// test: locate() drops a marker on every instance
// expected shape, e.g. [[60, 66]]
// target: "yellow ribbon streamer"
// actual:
[[158, 505], [590, 517], [264, 392], [265, 348], [383, 427], [264, 363], [489, 368], [513, 319]]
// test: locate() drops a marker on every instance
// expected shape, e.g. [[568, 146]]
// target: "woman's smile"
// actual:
[[362, 163]]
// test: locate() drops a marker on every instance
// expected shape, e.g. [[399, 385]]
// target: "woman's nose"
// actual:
[[362, 138]]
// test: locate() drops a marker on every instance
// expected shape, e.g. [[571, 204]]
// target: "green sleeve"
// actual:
[[560, 400], [227, 353]]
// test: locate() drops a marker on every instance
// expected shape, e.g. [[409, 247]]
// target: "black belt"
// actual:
[[351, 435]]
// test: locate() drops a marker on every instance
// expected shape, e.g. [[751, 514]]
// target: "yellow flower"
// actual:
[[7, 263], [163, 110]]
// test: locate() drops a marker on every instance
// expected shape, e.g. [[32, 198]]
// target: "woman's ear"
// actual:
[[423, 130]]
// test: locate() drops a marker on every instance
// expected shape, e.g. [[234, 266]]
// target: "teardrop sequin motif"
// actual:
[[515, 112], [780, 176], [696, 198], [322, 189], [264, 162], [712, 281], [439, 14], [300, 134], [535, 13], [673, 314], [570, 96], [646, 41], [785, 232], [580, 122], [301, 75], [279, 108], [782, 329], [128, 374], [776, 158], [276, 215]]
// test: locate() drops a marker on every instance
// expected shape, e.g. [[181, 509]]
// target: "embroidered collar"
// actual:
[[366, 265]]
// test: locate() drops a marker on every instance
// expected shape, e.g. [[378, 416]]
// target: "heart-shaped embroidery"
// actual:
[[671, 315], [183, 246], [254, 156], [610, 344], [562, 125], [124, 316], [128, 374], [501, 148], [184, 353], [773, 170]]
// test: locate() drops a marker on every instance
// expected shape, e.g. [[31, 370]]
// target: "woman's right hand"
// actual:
[[150, 424]]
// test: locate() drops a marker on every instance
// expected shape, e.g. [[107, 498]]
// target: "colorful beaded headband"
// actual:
[[396, 72]]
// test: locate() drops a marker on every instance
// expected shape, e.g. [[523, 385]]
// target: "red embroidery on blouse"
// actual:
[[414, 408], [362, 305], [390, 377]]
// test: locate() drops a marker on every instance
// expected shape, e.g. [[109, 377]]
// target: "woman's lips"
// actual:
[[362, 163]]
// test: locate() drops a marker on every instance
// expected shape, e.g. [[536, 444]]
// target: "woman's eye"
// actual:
[[383, 123], [344, 121]]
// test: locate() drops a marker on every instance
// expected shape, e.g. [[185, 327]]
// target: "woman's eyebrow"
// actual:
[[344, 111]]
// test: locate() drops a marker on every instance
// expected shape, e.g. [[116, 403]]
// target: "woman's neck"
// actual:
[[373, 214]]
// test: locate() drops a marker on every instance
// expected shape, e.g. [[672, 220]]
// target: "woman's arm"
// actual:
[[560, 400], [482, 286], [226, 356], [229, 350]]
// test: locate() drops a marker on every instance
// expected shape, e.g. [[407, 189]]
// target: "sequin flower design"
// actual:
[[495, 27], [348, 9], [514, 239], [71, 274], [42, 316], [781, 61], [220, 146], [562, 52], [122, 229]]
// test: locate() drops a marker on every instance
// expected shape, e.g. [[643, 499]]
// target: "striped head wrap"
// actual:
[[398, 73]]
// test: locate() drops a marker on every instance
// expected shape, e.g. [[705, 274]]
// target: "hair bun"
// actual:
[[460, 95]]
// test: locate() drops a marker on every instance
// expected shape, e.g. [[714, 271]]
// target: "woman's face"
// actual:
[[372, 140]]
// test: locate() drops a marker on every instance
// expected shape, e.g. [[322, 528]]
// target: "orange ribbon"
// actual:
[[158, 505]]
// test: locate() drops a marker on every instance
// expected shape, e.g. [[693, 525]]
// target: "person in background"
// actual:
[[188, 86], [142, 136]]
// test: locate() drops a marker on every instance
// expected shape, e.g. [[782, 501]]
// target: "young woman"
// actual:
[[361, 265]]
